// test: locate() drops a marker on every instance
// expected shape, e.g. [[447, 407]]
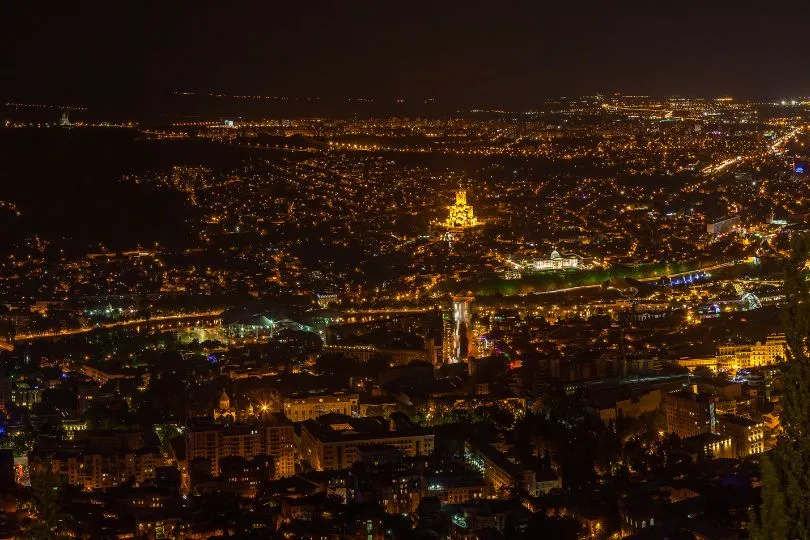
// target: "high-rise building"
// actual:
[[689, 413], [723, 226], [240, 440], [278, 442], [203, 442], [272, 436]]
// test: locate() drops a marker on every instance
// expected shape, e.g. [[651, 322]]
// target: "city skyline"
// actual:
[[404, 271]]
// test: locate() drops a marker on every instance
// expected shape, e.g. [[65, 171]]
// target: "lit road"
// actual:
[[706, 269], [383, 311], [776, 148], [637, 379], [119, 324], [643, 280], [722, 165]]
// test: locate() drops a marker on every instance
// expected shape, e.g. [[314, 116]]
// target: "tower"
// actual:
[[462, 338], [448, 333]]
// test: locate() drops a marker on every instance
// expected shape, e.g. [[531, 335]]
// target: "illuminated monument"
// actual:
[[461, 214], [458, 340]]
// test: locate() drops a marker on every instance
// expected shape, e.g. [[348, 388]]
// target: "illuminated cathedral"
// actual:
[[224, 409], [461, 214]]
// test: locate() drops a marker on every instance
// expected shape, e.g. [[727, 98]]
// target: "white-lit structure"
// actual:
[[724, 226], [555, 262]]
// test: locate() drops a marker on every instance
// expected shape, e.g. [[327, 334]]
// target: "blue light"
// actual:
[[799, 169]]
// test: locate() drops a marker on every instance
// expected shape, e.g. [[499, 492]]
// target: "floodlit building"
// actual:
[[734, 357], [461, 214], [307, 407], [709, 446], [747, 435], [555, 261]]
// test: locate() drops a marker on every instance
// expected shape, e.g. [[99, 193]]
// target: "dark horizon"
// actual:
[[516, 56]]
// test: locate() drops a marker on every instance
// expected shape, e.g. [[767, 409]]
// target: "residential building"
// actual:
[[278, 442], [331, 442], [689, 413]]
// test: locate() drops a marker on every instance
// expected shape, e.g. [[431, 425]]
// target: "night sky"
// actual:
[[463, 53]]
